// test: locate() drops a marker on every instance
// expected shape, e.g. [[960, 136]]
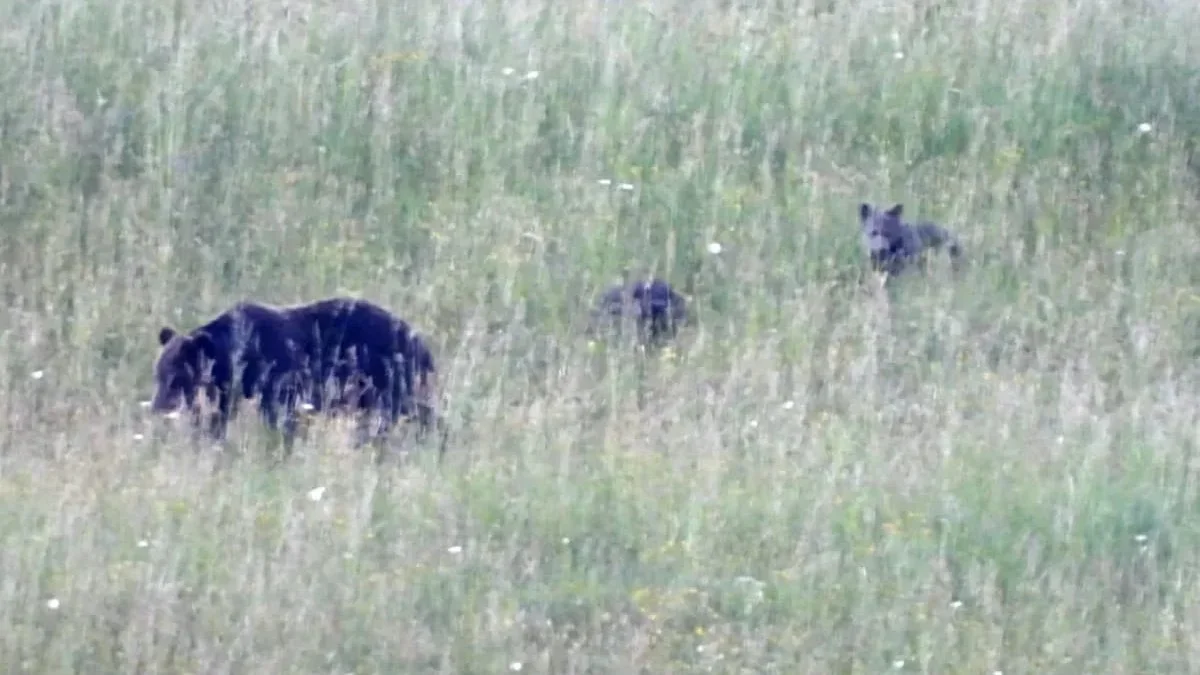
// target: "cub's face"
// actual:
[[881, 234], [179, 373]]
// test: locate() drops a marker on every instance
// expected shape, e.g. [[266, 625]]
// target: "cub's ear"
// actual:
[[864, 211], [165, 334], [896, 210]]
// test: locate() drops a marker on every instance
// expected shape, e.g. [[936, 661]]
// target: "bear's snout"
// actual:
[[165, 403]]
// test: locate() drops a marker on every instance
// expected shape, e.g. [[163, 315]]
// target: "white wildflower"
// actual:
[[53, 603], [714, 248], [1144, 128], [532, 75], [628, 187], [38, 374], [507, 71], [315, 494]]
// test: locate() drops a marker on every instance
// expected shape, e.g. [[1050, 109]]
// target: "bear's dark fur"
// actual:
[[338, 354], [656, 308]]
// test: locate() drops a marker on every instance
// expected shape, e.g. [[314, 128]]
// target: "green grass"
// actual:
[[991, 473]]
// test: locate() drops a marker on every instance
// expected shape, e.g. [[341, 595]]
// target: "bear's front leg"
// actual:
[[219, 422], [280, 398]]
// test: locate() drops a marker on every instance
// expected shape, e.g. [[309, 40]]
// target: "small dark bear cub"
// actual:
[[339, 354], [892, 244], [657, 309]]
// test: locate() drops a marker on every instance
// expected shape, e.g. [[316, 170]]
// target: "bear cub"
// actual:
[[656, 308], [893, 245]]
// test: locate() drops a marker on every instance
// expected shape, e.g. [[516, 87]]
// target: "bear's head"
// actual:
[[420, 364], [422, 377], [182, 369], [884, 235]]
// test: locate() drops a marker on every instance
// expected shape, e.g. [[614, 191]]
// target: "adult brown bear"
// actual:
[[338, 354]]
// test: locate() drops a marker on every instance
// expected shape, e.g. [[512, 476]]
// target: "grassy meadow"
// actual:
[[988, 472]]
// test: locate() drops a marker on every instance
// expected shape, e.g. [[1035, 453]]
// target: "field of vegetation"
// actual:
[[983, 472]]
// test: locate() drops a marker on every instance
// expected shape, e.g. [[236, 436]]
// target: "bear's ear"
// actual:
[[164, 335], [864, 211], [896, 210]]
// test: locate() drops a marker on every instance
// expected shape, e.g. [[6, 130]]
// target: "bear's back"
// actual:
[[350, 321]]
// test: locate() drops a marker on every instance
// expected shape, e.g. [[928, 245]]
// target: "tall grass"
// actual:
[[993, 472]]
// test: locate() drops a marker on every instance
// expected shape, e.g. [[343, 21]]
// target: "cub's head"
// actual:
[[882, 234]]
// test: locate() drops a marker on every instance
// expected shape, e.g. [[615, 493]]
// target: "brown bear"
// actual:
[[338, 354]]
